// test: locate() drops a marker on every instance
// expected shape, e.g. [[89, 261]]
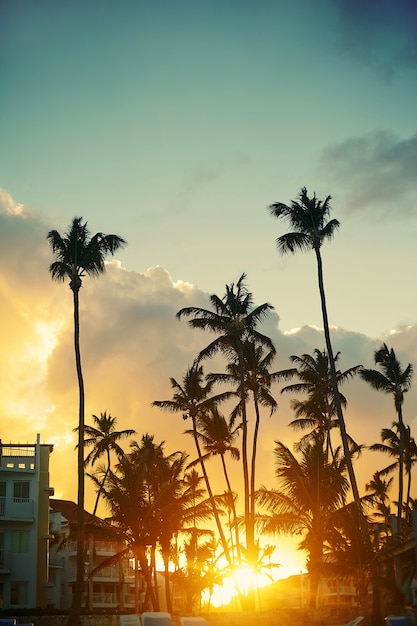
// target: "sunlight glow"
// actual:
[[243, 579]]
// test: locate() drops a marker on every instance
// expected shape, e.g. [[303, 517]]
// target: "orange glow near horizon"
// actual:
[[245, 579]]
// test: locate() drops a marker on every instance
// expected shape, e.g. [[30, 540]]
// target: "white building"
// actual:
[[24, 524]]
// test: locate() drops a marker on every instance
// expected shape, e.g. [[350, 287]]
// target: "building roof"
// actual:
[[69, 510]]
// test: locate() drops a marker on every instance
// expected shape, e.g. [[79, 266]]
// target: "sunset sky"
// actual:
[[175, 125]]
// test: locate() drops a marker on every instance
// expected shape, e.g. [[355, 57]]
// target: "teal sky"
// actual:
[[175, 124]]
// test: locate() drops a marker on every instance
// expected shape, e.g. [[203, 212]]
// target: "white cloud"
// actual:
[[131, 345]]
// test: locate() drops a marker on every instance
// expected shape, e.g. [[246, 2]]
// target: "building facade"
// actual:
[[106, 585], [24, 524]]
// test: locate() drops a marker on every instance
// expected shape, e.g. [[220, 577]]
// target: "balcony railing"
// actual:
[[16, 508], [107, 572], [107, 547], [105, 598]]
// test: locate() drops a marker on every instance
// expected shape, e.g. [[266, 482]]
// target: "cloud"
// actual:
[[131, 344], [376, 171], [380, 33]]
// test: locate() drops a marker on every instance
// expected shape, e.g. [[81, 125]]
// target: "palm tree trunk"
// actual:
[[165, 557], [249, 526], [339, 411], [74, 618], [100, 490], [400, 467], [210, 492], [253, 463], [362, 526], [155, 577], [232, 500]]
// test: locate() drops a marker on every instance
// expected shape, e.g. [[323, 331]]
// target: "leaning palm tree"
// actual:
[[103, 438], [392, 379], [77, 254], [234, 319], [193, 399], [309, 220], [218, 438]]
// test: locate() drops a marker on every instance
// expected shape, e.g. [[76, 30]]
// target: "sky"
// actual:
[[175, 126]]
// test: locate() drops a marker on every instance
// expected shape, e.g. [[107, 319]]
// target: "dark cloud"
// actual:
[[381, 33], [377, 170]]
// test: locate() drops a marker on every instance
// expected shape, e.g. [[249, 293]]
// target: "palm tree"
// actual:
[[193, 398], [391, 445], [396, 381], [258, 380], [77, 254], [103, 438], [309, 219], [218, 437], [234, 319], [310, 492], [319, 409], [378, 497]]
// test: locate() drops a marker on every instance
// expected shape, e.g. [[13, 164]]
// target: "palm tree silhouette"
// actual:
[[234, 319], [395, 381], [193, 398], [77, 255], [377, 495], [391, 445], [218, 437], [258, 380], [103, 438], [309, 219], [310, 492], [318, 411]]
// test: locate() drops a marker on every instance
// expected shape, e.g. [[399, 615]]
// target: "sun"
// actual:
[[243, 580]]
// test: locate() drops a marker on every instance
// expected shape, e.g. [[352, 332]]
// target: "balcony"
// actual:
[[110, 573], [18, 457], [107, 548], [105, 600], [17, 509]]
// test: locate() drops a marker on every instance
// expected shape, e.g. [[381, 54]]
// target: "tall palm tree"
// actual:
[[234, 319], [193, 398], [310, 492], [392, 379], [103, 438], [319, 409], [309, 220], [77, 254], [258, 380]]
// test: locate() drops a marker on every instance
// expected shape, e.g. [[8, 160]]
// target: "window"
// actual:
[[21, 491], [18, 593], [20, 541]]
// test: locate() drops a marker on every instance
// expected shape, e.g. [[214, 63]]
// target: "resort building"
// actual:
[[106, 585], [24, 524]]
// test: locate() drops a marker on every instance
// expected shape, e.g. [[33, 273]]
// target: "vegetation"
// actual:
[[169, 504], [77, 255]]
